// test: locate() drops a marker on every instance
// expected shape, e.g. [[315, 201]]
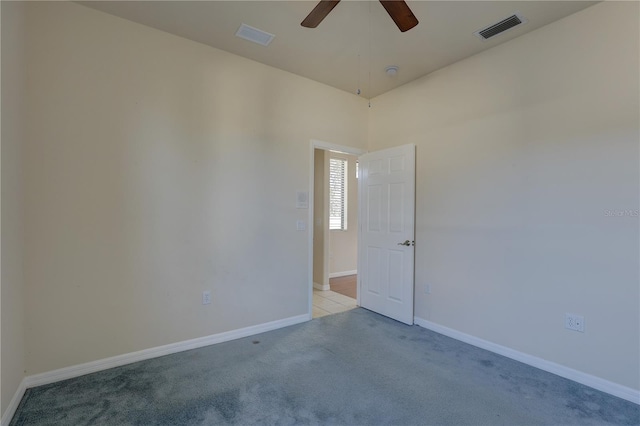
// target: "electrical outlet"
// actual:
[[574, 322], [206, 297]]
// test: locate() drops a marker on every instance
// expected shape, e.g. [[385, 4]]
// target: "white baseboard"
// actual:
[[321, 286], [343, 273], [13, 404], [119, 360], [603, 385]]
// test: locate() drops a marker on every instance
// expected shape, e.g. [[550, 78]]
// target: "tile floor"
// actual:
[[329, 302]]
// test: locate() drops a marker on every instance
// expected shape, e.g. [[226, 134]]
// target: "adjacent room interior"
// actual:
[[149, 178], [335, 232]]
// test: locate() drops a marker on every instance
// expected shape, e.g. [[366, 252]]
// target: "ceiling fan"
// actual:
[[397, 9]]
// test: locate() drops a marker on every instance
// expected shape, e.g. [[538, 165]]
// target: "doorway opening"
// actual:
[[334, 232]]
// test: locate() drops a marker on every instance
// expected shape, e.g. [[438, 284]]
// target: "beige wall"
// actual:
[[343, 245], [521, 150], [12, 356], [156, 168]]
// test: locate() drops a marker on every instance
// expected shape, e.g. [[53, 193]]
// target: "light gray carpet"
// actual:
[[354, 368]]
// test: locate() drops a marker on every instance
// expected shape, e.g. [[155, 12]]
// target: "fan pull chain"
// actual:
[[370, 36], [358, 91]]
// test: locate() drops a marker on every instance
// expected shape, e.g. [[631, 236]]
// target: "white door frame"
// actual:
[[317, 144]]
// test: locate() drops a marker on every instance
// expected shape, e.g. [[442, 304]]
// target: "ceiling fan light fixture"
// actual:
[[398, 10], [391, 70]]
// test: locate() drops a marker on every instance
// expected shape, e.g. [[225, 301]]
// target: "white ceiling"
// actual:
[[352, 47]]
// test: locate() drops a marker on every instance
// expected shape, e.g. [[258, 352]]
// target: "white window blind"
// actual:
[[337, 193]]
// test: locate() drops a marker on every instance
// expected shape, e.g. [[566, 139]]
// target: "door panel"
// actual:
[[374, 208], [387, 204], [373, 269]]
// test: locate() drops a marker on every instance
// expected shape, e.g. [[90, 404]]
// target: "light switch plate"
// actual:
[[302, 200]]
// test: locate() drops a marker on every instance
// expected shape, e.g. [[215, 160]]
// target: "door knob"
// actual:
[[406, 243]]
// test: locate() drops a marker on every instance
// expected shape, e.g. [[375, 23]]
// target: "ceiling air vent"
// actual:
[[502, 26], [255, 35]]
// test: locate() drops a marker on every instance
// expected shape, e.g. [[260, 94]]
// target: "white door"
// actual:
[[386, 246]]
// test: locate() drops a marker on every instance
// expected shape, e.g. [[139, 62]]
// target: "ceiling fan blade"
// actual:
[[319, 12], [400, 13]]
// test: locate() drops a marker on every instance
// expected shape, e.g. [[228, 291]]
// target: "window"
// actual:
[[338, 194]]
